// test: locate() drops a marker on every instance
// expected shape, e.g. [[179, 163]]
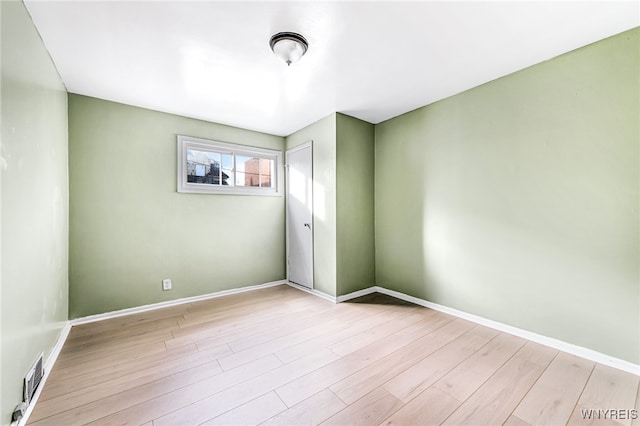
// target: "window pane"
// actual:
[[227, 169], [254, 171], [204, 167], [248, 172], [266, 167]]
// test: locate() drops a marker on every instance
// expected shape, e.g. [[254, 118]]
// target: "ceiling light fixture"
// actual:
[[289, 47]]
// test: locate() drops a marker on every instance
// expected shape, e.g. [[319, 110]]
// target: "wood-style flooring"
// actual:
[[280, 356]]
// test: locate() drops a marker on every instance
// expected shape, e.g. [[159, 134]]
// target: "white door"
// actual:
[[299, 162]]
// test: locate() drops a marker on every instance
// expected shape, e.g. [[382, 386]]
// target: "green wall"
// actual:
[[33, 203], [130, 228], [323, 135], [518, 200], [343, 250], [354, 204]]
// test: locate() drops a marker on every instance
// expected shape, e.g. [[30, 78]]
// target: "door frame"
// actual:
[[308, 144]]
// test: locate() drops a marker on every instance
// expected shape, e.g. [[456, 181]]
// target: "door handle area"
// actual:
[[308, 225]]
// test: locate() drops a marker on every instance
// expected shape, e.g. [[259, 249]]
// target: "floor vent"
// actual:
[[32, 379]]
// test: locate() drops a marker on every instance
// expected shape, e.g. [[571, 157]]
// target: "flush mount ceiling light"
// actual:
[[288, 46]]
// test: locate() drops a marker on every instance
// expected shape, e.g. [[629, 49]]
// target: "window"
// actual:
[[222, 168]]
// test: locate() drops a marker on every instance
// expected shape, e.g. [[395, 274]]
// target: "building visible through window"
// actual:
[[205, 167]]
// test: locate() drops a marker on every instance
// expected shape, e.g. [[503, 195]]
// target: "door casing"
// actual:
[[288, 224]]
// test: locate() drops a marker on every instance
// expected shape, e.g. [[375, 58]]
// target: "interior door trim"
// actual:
[[308, 144]]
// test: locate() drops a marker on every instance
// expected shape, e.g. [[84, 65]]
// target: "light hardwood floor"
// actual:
[[281, 356]]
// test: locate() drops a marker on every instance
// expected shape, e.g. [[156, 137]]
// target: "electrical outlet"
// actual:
[[166, 284]]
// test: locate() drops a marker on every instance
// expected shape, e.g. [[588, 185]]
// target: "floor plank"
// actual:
[[431, 407], [367, 320], [121, 384], [455, 348], [280, 356], [312, 411], [58, 385], [366, 380], [275, 344], [495, 400], [85, 413], [251, 413], [182, 397], [516, 421], [326, 376], [237, 395], [636, 414], [390, 327], [464, 379], [609, 395], [369, 410], [552, 399]]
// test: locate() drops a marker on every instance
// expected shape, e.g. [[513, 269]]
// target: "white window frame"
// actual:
[[187, 142]]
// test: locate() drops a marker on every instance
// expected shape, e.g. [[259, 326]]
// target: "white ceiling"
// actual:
[[371, 60]]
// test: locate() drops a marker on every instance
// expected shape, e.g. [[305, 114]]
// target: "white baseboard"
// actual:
[[160, 305], [560, 345], [355, 294], [48, 366], [313, 291], [334, 299]]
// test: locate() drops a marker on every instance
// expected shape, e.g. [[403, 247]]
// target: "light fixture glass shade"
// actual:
[[289, 47]]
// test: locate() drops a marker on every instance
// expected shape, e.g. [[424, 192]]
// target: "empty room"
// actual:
[[303, 213]]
